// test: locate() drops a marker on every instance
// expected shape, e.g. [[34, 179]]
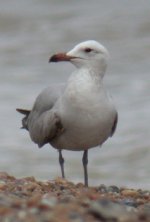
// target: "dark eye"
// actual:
[[87, 49]]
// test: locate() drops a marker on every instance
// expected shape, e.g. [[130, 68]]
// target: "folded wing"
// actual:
[[42, 121]]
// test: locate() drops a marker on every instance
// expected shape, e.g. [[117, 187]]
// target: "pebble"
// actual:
[[33, 210], [75, 217], [49, 201], [106, 209], [67, 198], [146, 208], [146, 194], [102, 188], [2, 186], [113, 189], [59, 200], [130, 193], [22, 214], [129, 202]]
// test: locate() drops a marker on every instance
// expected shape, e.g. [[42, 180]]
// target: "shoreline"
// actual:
[[30, 200]]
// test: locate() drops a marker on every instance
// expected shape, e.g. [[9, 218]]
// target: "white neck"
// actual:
[[87, 79]]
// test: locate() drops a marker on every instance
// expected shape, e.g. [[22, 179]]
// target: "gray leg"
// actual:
[[61, 162], [85, 162]]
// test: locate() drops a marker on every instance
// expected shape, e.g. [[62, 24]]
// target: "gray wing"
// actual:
[[48, 97], [42, 122]]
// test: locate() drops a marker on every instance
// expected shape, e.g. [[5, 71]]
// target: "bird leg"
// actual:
[[61, 162], [85, 163]]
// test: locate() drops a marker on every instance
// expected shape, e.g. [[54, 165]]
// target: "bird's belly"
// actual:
[[85, 130]]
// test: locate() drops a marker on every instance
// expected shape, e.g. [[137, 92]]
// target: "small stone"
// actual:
[[62, 187], [130, 193], [129, 202], [4, 210], [131, 209], [113, 189], [30, 187], [140, 201], [79, 185], [33, 210], [106, 209], [145, 208], [34, 200], [49, 201], [102, 188], [4, 175], [146, 194], [61, 181], [67, 199], [75, 217], [31, 179], [22, 214], [16, 203], [2, 186], [2, 182]]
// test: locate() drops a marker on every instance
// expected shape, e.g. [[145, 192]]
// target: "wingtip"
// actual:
[[23, 111]]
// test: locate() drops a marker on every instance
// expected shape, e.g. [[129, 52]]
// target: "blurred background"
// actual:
[[30, 32]]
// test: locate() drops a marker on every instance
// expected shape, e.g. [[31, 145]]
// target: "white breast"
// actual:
[[87, 114]]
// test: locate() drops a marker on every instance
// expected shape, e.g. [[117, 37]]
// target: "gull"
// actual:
[[76, 115]]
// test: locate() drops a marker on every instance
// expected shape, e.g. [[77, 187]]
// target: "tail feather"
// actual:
[[23, 111], [25, 119]]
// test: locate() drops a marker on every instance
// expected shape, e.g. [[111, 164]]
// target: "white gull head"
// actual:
[[89, 54]]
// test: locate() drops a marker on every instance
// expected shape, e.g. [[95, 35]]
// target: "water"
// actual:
[[31, 31]]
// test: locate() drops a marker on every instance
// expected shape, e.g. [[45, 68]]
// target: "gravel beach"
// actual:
[[29, 200]]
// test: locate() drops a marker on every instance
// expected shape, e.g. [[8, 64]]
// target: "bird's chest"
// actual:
[[81, 92], [84, 104]]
